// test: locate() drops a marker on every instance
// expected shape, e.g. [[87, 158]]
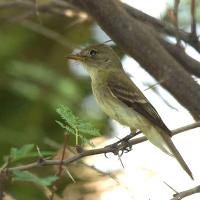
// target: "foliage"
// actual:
[[27, 176], [73, 124], [26, 151], [183, 13], [35, 78], [76, 126]]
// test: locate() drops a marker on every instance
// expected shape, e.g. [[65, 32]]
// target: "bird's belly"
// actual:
[[128, 117], [118, 111], [124, 115]]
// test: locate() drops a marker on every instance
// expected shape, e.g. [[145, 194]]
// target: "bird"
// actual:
[[122, 100]]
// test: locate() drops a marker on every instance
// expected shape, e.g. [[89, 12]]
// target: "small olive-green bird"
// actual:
[[121, 100]]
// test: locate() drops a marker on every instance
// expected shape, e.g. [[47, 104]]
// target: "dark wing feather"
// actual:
[[132, 97]]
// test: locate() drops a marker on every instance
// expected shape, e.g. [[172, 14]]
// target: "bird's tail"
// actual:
[[164, 142]]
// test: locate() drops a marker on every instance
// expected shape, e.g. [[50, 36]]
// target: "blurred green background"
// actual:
[[35, 78]]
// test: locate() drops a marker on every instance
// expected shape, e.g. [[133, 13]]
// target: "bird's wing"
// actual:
[[129, 94]]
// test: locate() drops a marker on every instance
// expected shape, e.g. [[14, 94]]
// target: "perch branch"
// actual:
[[186, 193], [120, 146]]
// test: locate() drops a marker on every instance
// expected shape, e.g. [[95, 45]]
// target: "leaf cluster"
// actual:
[[76, 126], [26, 152]]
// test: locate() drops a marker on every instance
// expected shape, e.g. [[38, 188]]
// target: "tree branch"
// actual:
[[191, 65], [188, 63], [176, 21], [193, 14], [113, 148], [163, 27], [186, 193], [51, 34], [130, 34], [122, 145], [160, 26]]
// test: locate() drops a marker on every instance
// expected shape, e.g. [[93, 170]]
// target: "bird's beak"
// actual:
[[77, 57]]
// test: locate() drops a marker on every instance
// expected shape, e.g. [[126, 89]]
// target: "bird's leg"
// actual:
[[124, 141], [135, 132], [131, 135]]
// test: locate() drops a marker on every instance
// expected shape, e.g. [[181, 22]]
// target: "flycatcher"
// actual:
[[121, 100]]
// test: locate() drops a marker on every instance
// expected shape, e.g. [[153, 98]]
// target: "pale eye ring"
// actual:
[[93, 53]]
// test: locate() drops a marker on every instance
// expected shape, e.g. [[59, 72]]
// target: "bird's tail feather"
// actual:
[[164, 142]]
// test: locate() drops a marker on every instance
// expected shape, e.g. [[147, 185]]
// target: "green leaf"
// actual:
[[68, 116], [27, 176], [16, 154], [87, 128], [25, 151], [68, 128], [76, 126]]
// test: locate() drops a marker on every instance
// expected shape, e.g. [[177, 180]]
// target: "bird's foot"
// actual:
[[122, 145]]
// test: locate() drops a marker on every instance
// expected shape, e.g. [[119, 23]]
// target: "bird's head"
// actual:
[[96, 58]]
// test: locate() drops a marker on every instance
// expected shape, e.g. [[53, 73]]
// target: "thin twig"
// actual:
[[56, 145], [169, 186], [154, 85], [108, 149], [112, 176], [60, 167], [38, 28], [188, 63], [155, 89], [37, 11], [63, 155], [162, 27], [8, 4], [176, 21], [193, 22], [2, 189], [96, 169]]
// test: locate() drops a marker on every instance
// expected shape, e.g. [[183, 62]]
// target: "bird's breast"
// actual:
[[114, 108]]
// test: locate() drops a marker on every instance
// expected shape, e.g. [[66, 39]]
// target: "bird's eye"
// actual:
[[93, 53]]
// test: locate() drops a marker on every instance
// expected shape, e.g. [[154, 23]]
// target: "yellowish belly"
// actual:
[[117, 110]]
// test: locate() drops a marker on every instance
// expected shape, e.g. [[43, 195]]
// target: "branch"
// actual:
[[57, 146], [122, 145], [191, 65], [51, 34], [193, 14], [8, 4], [58, 7], [160, 26], [53, 186], [139, 41], [113, 148], [163, 27], [186, 193], [176, 21]]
